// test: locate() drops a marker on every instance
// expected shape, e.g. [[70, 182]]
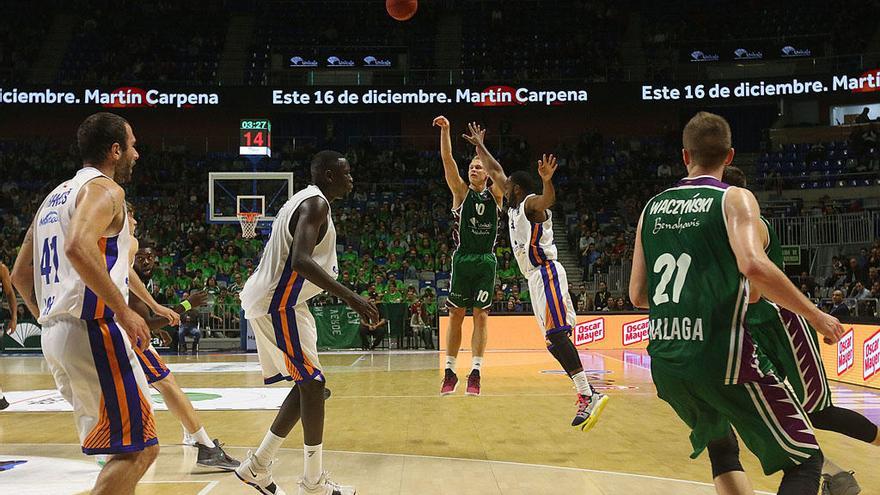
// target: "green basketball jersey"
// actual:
[[476, 223], [763, 312], [696, 293]]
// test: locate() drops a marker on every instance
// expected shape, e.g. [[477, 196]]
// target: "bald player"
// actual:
[[298, 263]]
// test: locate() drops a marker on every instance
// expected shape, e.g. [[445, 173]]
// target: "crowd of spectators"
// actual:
[[22, 29], [670, 31], [853, 162], [505, 41], [393, 232], [852, 288], [152, 41]]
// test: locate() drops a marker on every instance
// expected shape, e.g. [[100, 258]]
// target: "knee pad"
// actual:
[[562, 348], [724, 455]]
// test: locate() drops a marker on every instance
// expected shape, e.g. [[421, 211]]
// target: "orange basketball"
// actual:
[[402, 10]]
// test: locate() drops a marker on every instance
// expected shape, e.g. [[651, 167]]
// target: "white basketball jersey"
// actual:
[[58, 287], [532, 243], [274, 285]]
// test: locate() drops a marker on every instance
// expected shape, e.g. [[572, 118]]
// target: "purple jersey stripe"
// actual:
[[132, 394], [282, 283], [808, 363], [558, 286], [702, 181], [548, 296], [787, 413], [105, 379]]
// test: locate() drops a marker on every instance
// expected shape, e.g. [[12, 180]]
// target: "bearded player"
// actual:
[[476, 208], [72, 272], [531, 237], [298, 263]]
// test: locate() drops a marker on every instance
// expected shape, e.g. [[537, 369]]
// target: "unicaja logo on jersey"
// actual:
[[846, 352], [589, 331], [51, 217], [872, 356]]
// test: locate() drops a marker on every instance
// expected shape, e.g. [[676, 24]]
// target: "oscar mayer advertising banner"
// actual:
[[521, 332], [854, 360]]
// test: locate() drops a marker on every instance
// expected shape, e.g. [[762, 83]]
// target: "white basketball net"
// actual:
[[248, 221]]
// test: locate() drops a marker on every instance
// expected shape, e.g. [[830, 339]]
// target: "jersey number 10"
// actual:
[[668, 265]]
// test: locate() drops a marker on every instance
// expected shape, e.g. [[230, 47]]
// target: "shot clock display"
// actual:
[[255, 137]]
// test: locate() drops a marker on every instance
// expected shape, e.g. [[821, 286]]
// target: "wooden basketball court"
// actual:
[[388, 431]]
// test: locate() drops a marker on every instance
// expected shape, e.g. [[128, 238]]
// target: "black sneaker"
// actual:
[[843, 483], [216, 457], [3, 403]]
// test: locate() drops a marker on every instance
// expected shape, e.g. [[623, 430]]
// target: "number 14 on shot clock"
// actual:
[[255, 137]]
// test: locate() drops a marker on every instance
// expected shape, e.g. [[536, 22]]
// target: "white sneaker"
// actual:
[[259, 477], [324, 487]]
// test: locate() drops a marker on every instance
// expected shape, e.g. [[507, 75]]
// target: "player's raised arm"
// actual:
[[312, 215], [638, 277], [10, 298], [99, 203], [450, 167], [746, 239], [544, 201], [23, 273], [493, 168]]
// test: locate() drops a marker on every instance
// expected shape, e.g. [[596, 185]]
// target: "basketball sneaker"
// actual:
[[450, 383], [251, 473], [216, 457], [324, 487], [473, 387], [589, 407], [3, 403], [843, 483]]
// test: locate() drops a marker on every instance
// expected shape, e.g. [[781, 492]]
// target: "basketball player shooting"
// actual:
[[476, 208], [531, 237], [298, 263]]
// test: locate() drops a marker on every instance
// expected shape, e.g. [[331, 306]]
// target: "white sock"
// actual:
[[267, 450], [313, 463], [476, 363], [450, 363], [582, 384], [202, 437]]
